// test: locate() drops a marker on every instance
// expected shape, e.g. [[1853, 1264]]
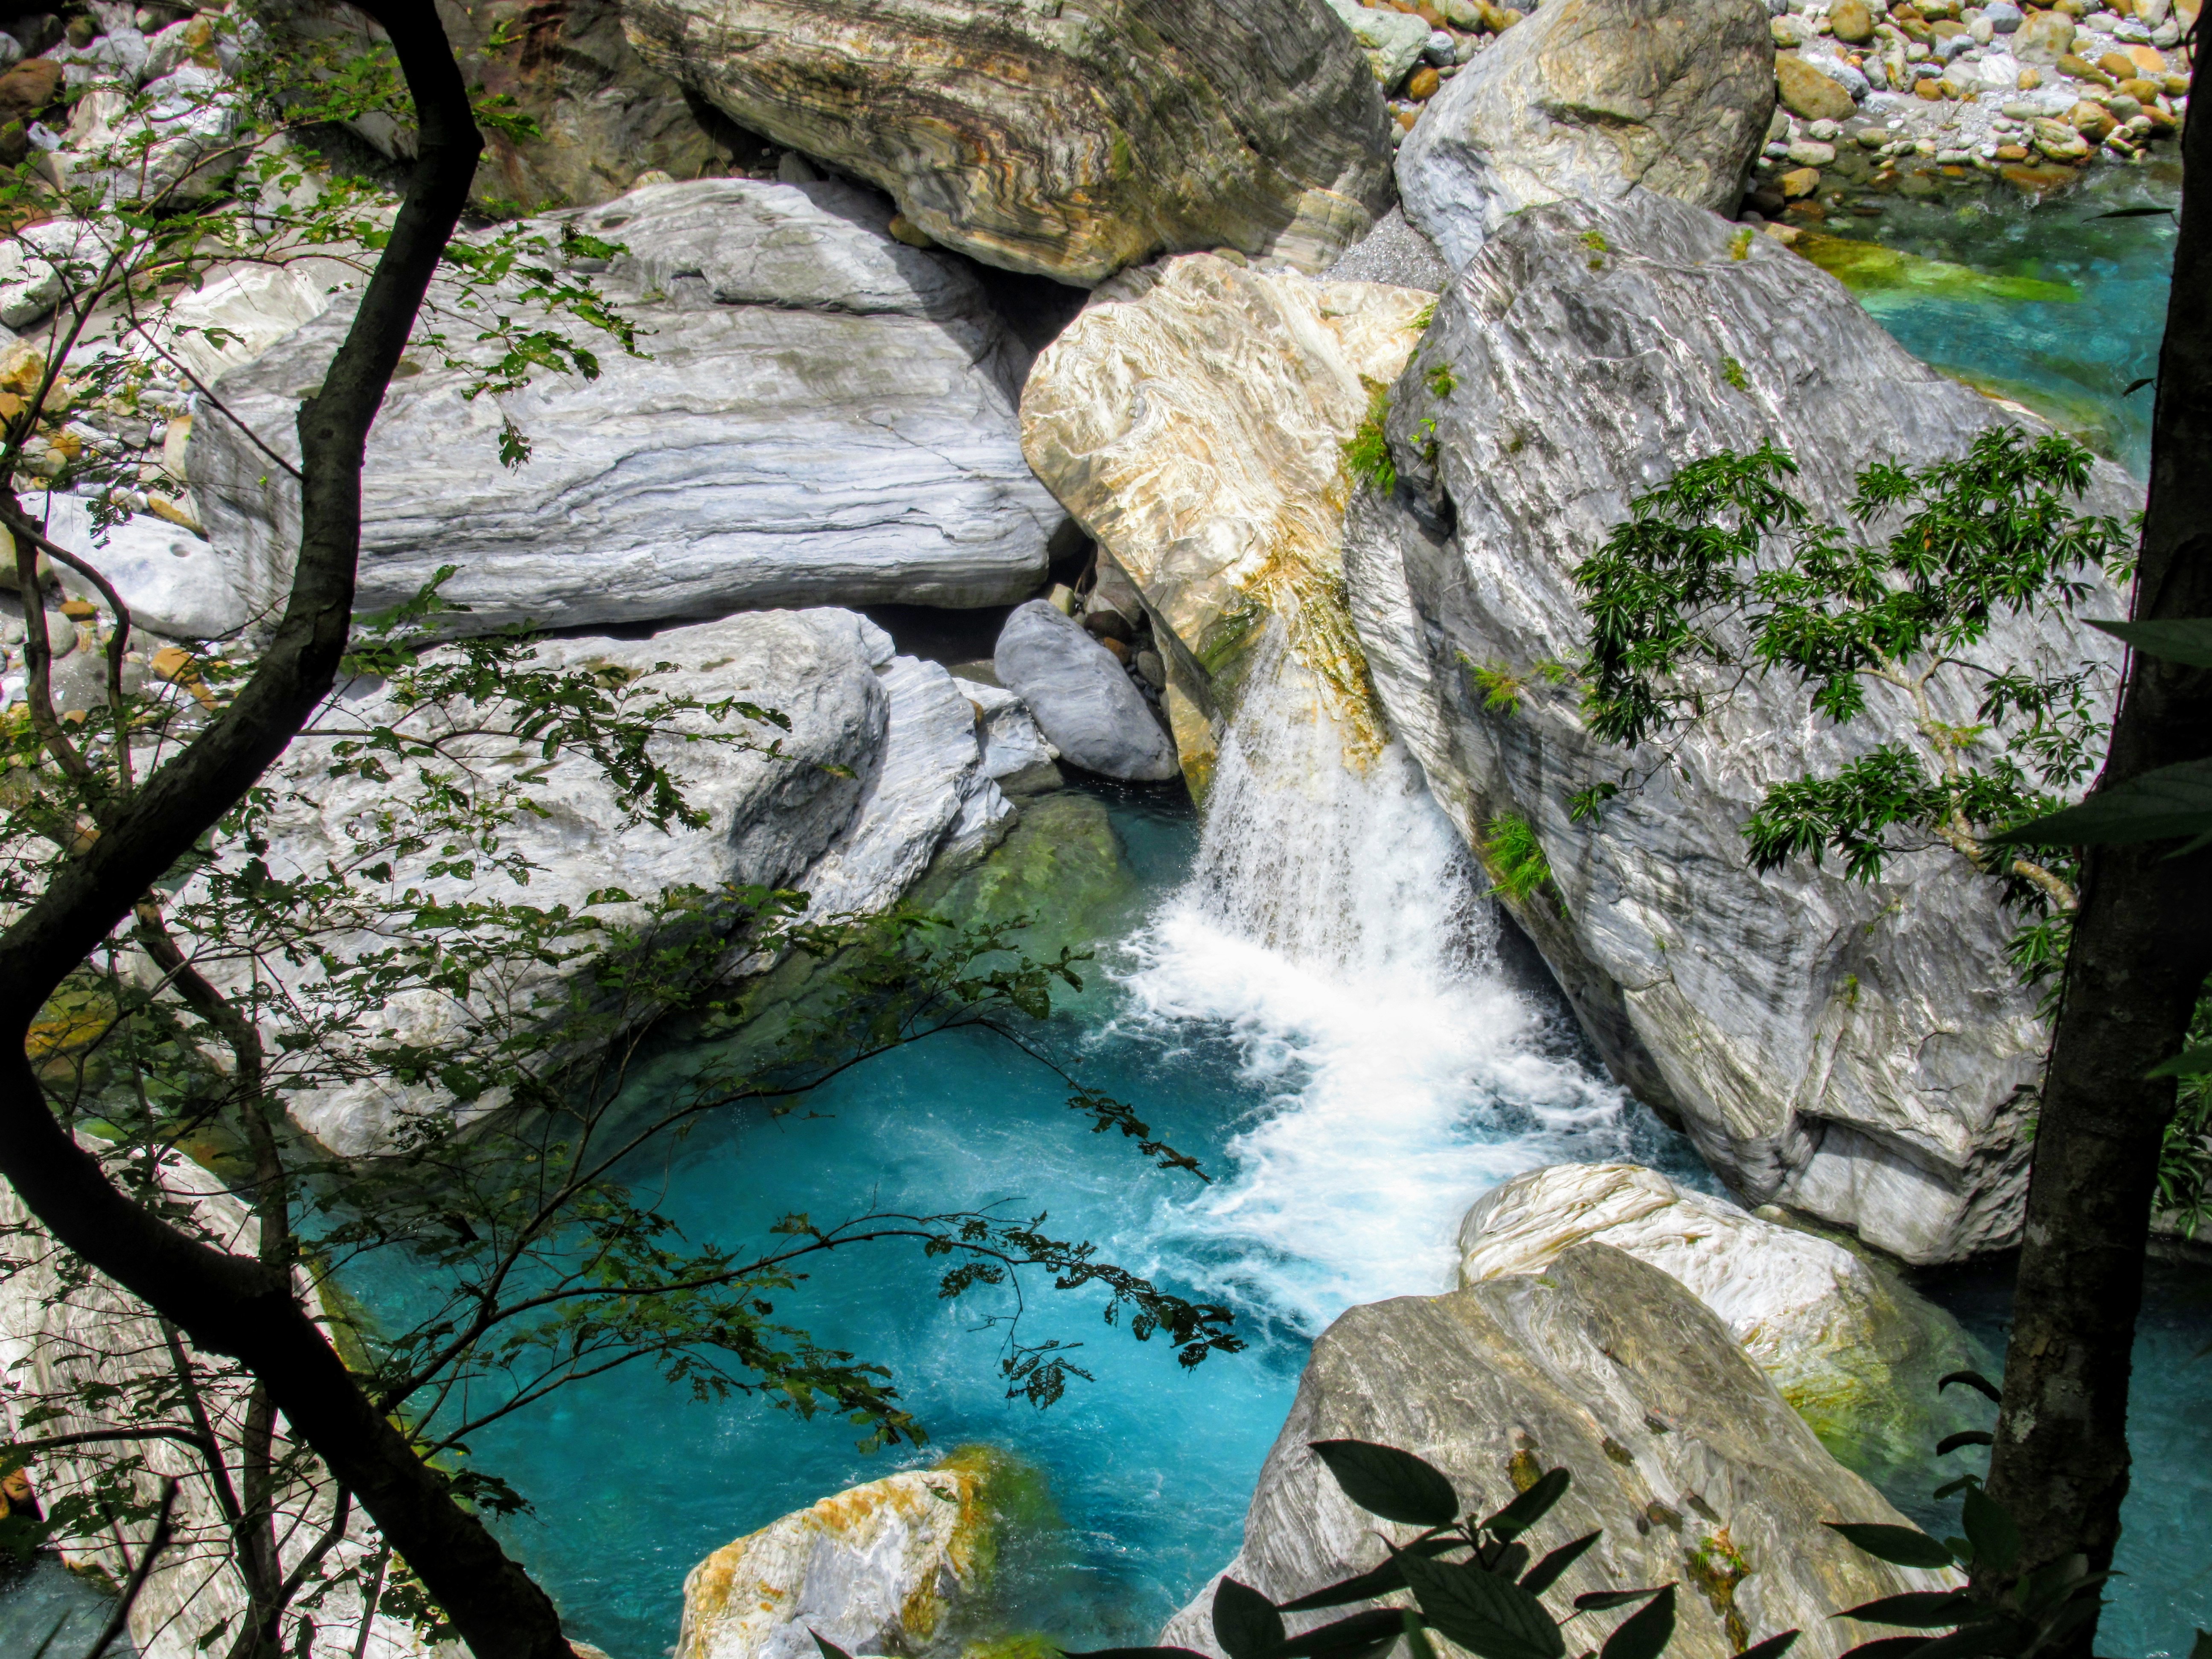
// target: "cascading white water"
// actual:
[[1334, 924]]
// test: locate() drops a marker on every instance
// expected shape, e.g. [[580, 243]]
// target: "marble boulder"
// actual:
[[1585, 100], [1854, 1349], [1081, 697], [1697, 1471], [1859, 1051], [819, 415], [1064, 140]]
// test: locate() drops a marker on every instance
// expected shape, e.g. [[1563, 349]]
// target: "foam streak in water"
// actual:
[[1334, 925]]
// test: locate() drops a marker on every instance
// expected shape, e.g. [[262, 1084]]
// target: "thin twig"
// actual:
[[155, 1545]]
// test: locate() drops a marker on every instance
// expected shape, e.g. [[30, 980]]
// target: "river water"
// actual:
[[1309, 996]]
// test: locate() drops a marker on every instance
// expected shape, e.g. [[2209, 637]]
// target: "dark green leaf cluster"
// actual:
[[1475, 1582]]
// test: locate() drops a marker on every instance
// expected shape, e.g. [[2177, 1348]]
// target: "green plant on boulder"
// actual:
[[1515, 858]]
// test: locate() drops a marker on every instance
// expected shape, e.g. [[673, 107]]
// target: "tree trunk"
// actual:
[[2142, 948], [230, 1304]]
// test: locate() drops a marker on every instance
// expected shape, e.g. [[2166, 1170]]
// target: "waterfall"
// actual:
[[1334, 926]]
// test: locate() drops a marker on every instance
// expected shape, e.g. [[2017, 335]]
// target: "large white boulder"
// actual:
[[879, 772], [1584, 100], [825, 416], [1856, 1351], [1698, 1471], [1861, 1051]]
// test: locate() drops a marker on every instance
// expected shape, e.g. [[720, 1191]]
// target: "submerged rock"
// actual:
[[825, 417], [1856, 1351], [1192, 419], [1696, 1468], [1081, 696], [1861, 1051], [877, 1569], [1585, 100], [1065, 143]]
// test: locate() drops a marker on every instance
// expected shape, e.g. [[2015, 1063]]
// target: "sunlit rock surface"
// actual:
[[1193, 420], [1696, 1468], [876, 1569], [880, 771], [1859, 1051], [1585, 100], [1068, 139], [1856, 1351], [825, 417]]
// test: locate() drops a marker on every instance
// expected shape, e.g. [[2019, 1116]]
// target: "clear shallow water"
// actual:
[[2072, 360]]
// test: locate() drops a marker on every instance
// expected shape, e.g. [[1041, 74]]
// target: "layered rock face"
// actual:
[[1192, 419], [1067, 140], [1858, 1353], [825, 417], [1696, 1468], [881, 770], [1585, 100], [1860, 1052], [874, 1569]]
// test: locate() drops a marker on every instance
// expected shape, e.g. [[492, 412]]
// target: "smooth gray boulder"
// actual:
[[1859, 1051], [173, 583], [1083, 698], [880, 772], [1679, 1449], [1585, 100], [825, 417], [1070, 140]]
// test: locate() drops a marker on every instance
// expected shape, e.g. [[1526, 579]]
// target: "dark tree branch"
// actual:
[[2141, 947], [228, 1303]]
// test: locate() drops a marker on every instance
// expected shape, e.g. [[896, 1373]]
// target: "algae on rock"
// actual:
[[1854, 1349]]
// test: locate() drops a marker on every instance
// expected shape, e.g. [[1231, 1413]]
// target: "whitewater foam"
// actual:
[[1334, 927]]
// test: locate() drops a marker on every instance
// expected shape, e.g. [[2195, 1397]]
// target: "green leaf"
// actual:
[[1951, 1442], [1991, 1637], [1886, 1647], [1772, 1647], [1377, 1581], [1129, 1653], [2187, 640], [1915, 1610], [2202, 1648], [2133, 213], [1992, 1532], [1245, 1622], [2157, 805], [1483, 1614], [1393, 1484], [1418, 1646], [2190, 1062], [829, 1650], [1531, 1506], [1904, 1546], [1644, 1633], [1605, 1601], [1364, 1587], [1546, 1573], [1360, 1632], [1973, 1380]]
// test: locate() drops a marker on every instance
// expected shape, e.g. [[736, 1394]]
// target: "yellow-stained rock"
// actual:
[[875, 1569], [1193, 418], [1195, 748]]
